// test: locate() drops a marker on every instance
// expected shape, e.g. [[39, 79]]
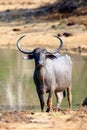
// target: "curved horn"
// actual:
[[59, 48], [19, 47]]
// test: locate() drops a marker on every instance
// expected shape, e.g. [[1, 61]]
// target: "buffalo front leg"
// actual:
[[42, 103], [49, 102], [40, 92]]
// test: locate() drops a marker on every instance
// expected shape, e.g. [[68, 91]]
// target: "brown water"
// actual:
[[17, 90]]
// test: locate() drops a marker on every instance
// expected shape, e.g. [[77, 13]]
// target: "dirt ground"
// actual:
[[14, 22], [63, 120]]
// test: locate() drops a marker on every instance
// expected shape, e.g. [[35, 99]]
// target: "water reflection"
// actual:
[[17, 90]]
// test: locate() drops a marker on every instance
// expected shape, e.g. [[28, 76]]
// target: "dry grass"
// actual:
[[40, 30]]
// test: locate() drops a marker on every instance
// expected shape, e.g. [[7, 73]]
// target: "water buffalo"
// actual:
[[84, 102], [52, 73]]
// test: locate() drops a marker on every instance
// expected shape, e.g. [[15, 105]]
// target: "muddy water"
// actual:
[[17, 90]]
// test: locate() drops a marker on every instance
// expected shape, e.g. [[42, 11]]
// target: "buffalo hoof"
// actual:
[[48, 110], [56, 109]]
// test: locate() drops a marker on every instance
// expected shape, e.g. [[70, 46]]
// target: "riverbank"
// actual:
[[16, 21]]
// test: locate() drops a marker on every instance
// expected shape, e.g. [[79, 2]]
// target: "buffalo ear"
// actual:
[[51, 56], [30, 57]]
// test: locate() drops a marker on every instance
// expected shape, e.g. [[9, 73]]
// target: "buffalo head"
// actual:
[[39, 54]]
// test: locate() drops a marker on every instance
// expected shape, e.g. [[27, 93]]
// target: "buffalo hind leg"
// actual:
[[69, 96], [59, 97]]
